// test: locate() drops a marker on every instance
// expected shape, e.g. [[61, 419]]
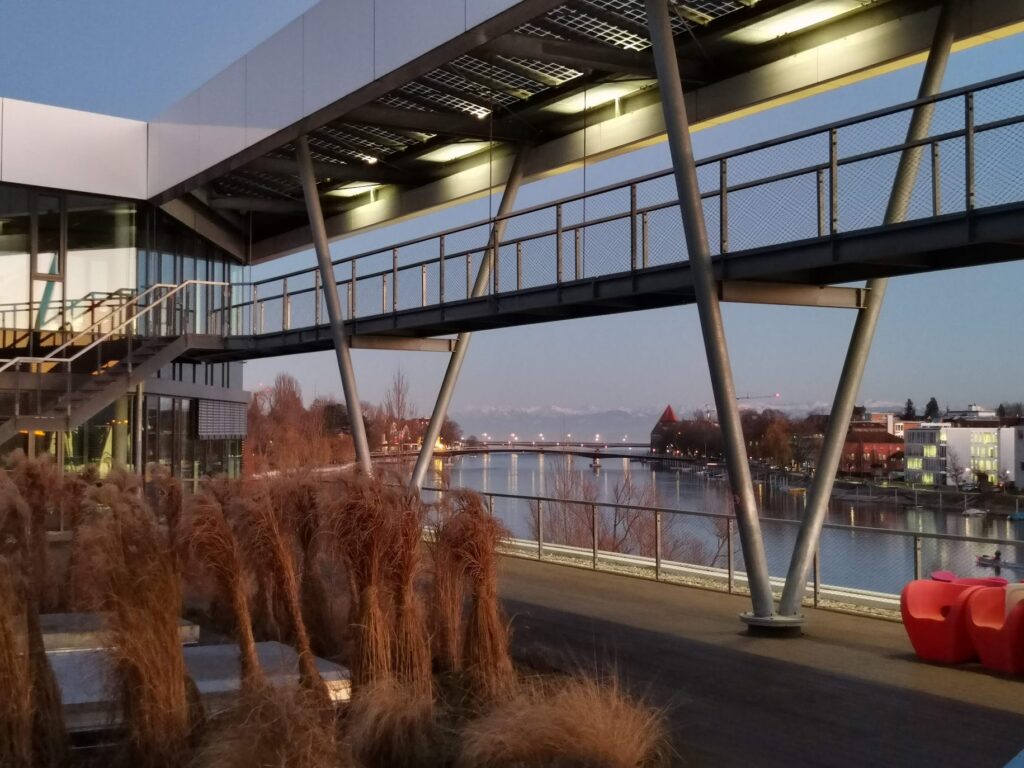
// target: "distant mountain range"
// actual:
[[555, 422]]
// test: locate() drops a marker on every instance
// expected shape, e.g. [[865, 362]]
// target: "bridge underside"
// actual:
[[990, 236]]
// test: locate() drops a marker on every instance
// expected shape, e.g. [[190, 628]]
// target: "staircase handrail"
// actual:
[[52, 358], [85, 331], [83, 305]]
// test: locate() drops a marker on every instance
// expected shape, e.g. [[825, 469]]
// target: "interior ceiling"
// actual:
[[532, 84]]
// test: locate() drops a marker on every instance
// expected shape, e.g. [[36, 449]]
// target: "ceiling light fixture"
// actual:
[[794, 20], [450, 152]]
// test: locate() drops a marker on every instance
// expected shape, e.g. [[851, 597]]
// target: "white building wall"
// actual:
[[49, 146], [1008, 454], [958, 441]]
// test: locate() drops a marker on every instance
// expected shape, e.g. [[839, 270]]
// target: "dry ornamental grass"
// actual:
[[269, 541], [136, 585], [580, 723]]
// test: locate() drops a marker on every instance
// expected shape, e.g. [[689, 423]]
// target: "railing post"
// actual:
[[519, 266], [593, 533], [285, 305], [578, 252], [969, 149], [817, 576], [316, 297], [540, 529], [394, 279], [490, 505], [917, 557], [821, 202], [730, 566], [254, 310], [657, 545], [226, 303], [383, 294], [645, 239], [558, 244], [440, 270], [423, 285], [723, 206], [936, 181], [492, 254], [632, 227], [833, 181], [352, 294]]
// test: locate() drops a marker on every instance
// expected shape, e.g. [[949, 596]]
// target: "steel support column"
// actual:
[[334, 315], [451, 374], [678, 130], [864, 329]]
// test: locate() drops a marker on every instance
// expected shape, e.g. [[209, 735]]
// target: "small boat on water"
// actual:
[[975, 512], [987, 561]]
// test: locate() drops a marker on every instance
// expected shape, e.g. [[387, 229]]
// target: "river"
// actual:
[[856, 555]]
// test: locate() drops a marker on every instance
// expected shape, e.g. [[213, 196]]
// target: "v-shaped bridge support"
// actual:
[[451, 374], [707, 293]]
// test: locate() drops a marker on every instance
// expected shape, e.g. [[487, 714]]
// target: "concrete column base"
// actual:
[[774, 625]]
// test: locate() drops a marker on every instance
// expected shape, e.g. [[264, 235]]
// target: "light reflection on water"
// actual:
[[849, 557]]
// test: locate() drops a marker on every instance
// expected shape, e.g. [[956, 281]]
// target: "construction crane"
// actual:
[[774, 395]]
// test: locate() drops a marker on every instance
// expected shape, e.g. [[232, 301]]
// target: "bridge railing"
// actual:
[[817, 183], [856, 568]]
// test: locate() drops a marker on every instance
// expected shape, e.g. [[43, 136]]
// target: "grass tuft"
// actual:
[[272, 729], [359, 525], [211, 547], [137, 586], [15, 678], [467, 544], [390, 725], [579, 722]]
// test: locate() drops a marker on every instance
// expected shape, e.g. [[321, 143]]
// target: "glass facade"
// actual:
[[67, 260]]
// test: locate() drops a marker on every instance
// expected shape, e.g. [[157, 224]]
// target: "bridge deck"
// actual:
[[849, 692], [988, 236]]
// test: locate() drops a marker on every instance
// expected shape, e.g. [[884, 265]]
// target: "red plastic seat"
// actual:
[[935, 620], [998, 637], [984, 581], [943, 576]]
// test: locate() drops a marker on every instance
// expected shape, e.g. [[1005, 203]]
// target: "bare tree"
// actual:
[[396, 400], [954, 466]]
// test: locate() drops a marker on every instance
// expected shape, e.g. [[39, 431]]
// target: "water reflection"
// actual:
[[849, 557]]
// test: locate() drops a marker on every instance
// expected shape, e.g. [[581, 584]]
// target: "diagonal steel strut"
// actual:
[[334, 315], [864, 328], [451, 374], [677, 128]]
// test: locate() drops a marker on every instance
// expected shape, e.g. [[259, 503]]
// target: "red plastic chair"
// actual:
[[934, 617], [984, 581], [997, 636]]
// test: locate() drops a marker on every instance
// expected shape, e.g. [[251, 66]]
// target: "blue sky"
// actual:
[[955, 335]]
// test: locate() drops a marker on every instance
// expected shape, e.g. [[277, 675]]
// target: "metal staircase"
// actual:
[[64, 388]]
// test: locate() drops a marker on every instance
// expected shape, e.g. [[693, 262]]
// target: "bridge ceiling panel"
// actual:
[[566, 67], [522, 85]]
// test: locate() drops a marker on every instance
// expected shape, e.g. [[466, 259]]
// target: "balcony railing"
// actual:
[[858, 569]]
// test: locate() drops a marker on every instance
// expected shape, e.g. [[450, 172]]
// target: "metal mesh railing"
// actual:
[[856, 568], [816, 183]]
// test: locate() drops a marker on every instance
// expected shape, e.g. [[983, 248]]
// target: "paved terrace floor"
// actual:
[[847, 693]]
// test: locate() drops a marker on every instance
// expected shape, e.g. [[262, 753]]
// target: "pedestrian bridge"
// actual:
[[788, 221]]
